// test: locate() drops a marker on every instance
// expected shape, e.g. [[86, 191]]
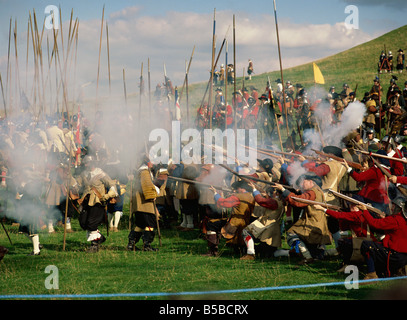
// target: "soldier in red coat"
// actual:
[[374, 190], [384, 259]]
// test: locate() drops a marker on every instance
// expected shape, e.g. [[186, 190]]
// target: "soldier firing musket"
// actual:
[[292, 154], [199, 183], [354, 201], [248, 178], [322, 204], [380, 156], [354, 165]]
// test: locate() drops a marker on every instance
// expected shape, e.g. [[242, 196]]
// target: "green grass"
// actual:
[[177, 267]]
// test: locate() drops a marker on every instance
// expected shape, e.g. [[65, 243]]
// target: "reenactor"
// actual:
[[145, 214], [250, 69], [241, 202], [400, 61], [98, 188], [309, 234]]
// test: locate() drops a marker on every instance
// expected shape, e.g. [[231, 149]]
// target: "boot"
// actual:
[[248, 257], [94, 247], [213, 242], [36, 245], [371, 275], [134, 237], [3, 252], [148, 238]]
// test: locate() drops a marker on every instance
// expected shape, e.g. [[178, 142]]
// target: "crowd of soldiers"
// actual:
[[251, 209]]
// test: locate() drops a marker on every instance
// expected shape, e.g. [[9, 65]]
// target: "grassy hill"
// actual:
[[356, 66]]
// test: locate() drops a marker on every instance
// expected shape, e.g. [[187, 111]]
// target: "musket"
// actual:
[[267, 153], [384, 171], [292, 154], [354, 165], [380, 156], [354, 201], [199, 183], [248, 178], [322, 204], [226, 154]]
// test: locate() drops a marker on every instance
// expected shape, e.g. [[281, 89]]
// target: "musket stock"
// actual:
[[199, 183], [354, 201], [354, 165], [322, 204]]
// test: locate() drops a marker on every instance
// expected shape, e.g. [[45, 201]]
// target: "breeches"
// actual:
[[386, 261]]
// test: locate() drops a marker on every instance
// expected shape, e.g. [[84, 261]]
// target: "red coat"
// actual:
[[402, 180], [395, 230], [396, 167], [352, 220], [375, 184]]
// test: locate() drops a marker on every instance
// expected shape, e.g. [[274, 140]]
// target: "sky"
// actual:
[[164, 33]]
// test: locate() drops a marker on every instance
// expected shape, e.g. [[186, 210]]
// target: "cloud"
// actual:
[[388, 3], [135, 38]]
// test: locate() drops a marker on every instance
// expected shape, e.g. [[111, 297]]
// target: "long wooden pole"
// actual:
[[108, 57], [212, 69], [226, 86], [4, 98], [282, 78], [100, 49], [149, 92], [234, 76], [8, 65]]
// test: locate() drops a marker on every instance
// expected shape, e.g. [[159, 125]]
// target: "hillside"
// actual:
[[356, 66]]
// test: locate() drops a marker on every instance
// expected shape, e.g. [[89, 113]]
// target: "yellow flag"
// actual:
[[318, 77]]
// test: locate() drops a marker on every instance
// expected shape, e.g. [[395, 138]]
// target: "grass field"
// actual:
[[177, 267]]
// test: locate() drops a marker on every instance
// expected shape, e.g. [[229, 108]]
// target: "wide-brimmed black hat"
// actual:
[[266, 164], [241, 184], [309, 176], [333, 150]]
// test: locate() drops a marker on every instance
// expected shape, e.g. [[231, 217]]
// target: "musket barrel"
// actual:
[[198, 183], [354, 165], [311, 202], [350, 199], [380, 156]]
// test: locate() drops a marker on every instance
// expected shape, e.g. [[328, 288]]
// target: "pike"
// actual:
[[212, 68], [108, 57], [149, 88], [4, 98], [199, 183], [354, 165], [100, 49], [281, 72], [322, 204], [68, 180], [354, 201], [234, 74]]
